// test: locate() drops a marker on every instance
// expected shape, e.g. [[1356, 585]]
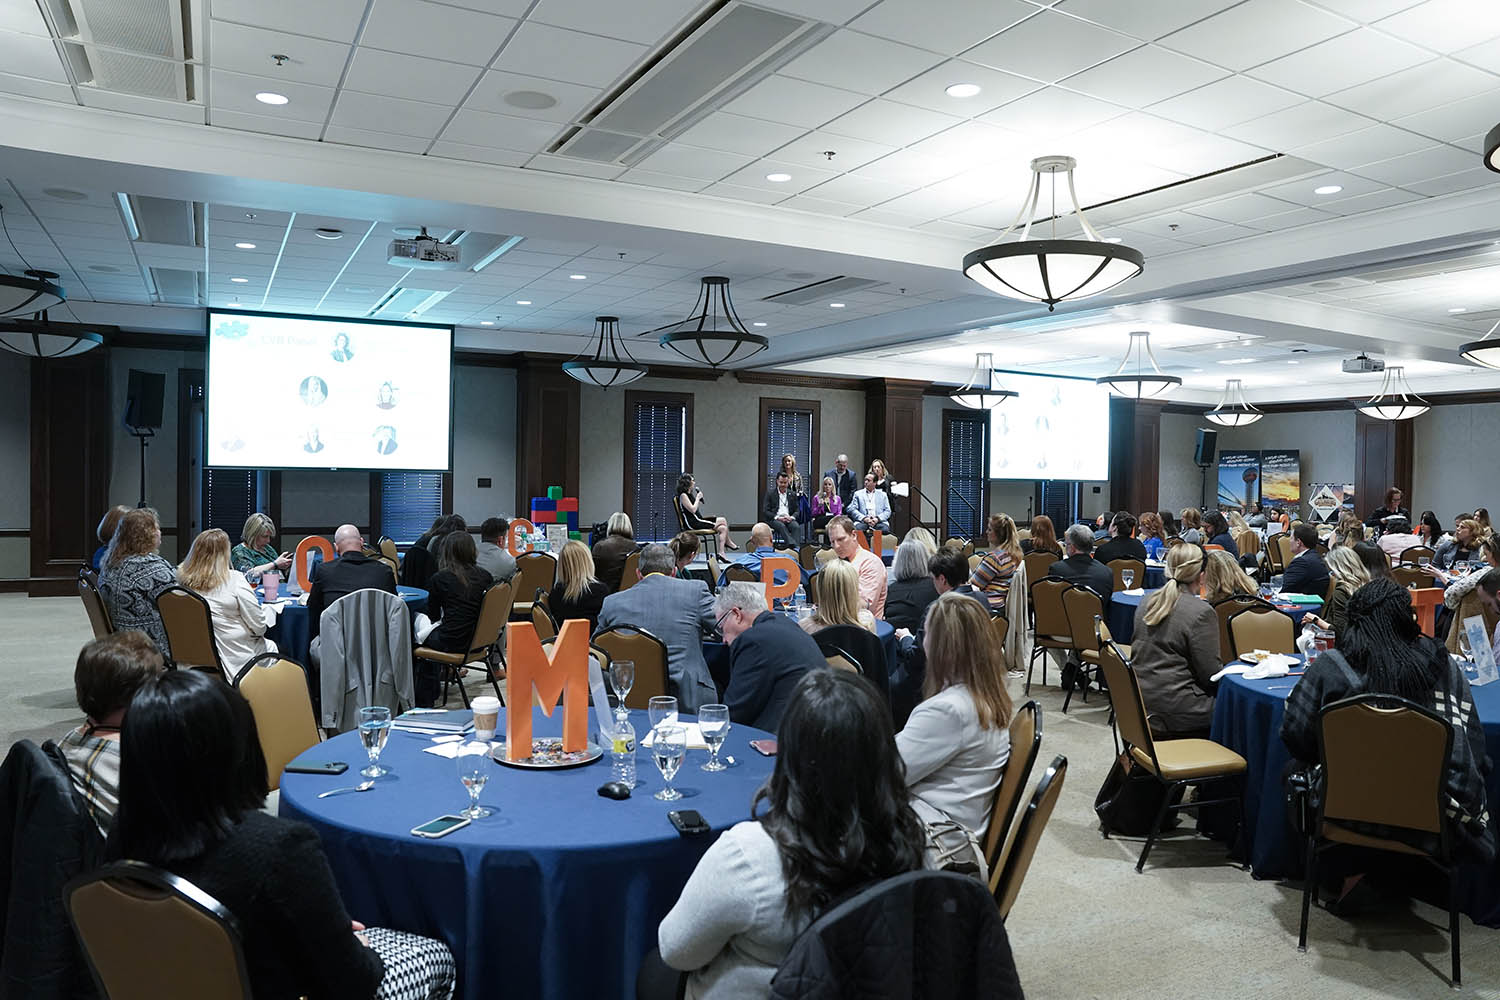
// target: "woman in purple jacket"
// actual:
[[827, 505]]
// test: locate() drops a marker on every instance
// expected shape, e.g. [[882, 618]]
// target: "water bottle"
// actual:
[[1307, 642], [799, 601], [622, 753]]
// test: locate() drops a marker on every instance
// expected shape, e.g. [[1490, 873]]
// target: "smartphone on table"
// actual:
[[440, 827]]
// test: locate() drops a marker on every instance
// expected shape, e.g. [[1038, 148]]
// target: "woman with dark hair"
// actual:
[[1169, 525], [1376, 563], [690, 498], [1043, 537], [134, 573], [455, 592], [192, 783], [685, 548], [835, 819], [1430, 530], [1216, 526], [451, 523], [1482, 515]]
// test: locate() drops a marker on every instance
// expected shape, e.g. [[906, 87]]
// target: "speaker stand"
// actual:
[[142, 434], [1203, 489]]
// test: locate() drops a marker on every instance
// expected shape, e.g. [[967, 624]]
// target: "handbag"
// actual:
[[1127, 804], [950, 846]]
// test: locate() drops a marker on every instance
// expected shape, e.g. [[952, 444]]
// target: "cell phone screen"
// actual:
[[440, 826]]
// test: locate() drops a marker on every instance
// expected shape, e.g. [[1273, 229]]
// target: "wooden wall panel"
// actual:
[[70, 457], [1382, 459], [893, 433], [547, 431], [1134, 453]]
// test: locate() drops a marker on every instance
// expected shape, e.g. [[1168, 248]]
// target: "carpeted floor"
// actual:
[[1086, 925]]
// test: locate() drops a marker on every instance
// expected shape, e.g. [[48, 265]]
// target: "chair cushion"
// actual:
[[1186, 759], [1344, 835], [1092, 655], [1055, 641], [441, 656]]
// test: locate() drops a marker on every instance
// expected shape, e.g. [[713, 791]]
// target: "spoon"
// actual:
[[363, 786]]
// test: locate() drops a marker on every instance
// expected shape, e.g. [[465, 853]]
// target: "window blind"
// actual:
[[790, 432], [409, 501], [967, 475], [228, 500], [1060, 502], [659, 456]]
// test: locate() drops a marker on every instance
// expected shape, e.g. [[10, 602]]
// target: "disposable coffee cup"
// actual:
[[486, 717]]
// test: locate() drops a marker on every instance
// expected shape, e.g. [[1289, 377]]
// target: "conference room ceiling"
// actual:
[[1202, 132]]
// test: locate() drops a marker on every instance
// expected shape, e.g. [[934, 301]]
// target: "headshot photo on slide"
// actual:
[[341, 351], [385, 439], [386, 397], [314, 391], [313, 444]]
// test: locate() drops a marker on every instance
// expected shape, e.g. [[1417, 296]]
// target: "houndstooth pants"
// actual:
[[416, 967]]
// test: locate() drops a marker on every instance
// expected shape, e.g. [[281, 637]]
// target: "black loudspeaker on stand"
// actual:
[[143, 406], [1204, 448]]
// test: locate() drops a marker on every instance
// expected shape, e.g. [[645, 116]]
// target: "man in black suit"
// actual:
[[351, 571], [1123, 545], [1306, 573], [768, 654], [1080, 568], [844, 480], [779, 510]]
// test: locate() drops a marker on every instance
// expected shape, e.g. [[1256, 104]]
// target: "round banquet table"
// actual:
[[558, 893], [716, 654], [1122, 605], [1156, 575], [1247, 719], [290, 631]]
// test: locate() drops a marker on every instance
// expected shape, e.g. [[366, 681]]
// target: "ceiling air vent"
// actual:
[[731, 47], [139, 47], [168, 221], [819, 290], [178, 286], [402, 302]]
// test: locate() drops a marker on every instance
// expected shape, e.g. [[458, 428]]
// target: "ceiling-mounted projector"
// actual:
[[1363, 365], [424, 251]]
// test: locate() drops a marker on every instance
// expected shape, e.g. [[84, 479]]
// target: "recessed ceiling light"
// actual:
[[758, 324], [1459, 309], [835, 305], [64, 194], [268, 97], [239, 281], [104, 268], [324, 233], [244, 246], [1238, 361], [523, 302], [531, 100], [486, 322], [1328, 189], [963, 89], [579, 277], [1294, 362], [778, 178], [1113, 239]]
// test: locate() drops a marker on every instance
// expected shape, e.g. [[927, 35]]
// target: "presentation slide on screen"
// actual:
[[1057, 428], [290, 392]]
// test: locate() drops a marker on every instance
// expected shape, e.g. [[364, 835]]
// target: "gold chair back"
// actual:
[[1047, 607], [840, 660], [534, 570], [1224, 608], [974, 561], [739, 572], [807, 557], [1411, 576], [1259, 627], [812, 589], [1028, 834], [999, 630], [1025, 744], [1082, 607], [541, 620], [1118, 568], [626, 642], [1414, 554], [628, 576], [276, 689], [824, 556], [494, 612], [1247, 540], [1037, 562], [1333, 584], [1281, 545], [1384, 765], [389, 551], [189, 625], [93, 603], [1125, 698]]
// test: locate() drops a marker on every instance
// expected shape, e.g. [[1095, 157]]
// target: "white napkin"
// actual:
[[1137, 592], [269, 613], [422, 626], [695, 740], [447, 750], [1275, 665]]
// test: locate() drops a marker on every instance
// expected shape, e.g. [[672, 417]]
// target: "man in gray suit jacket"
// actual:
[[676, 612]]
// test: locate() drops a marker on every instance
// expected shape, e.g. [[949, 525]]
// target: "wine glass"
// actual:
[[662, 709], [668, 745], [474, 770], [374, 730], [713, 720], [622, 678], [1127, 577]]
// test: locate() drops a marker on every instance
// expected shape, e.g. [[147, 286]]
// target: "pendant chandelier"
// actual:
[[1492, 149], [1052, 270], [1233, 410], [980, 393], [37, 292], [606, 368], [1139, 376], [1396, 400], [39, 338], [1483, 351], [713, 333]]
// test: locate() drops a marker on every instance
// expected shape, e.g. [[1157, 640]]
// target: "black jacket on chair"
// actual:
[[46, 839], [865, 646], [1305, 574]]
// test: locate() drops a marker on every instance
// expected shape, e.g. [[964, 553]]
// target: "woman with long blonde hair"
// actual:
[[1192, 526], [1349, 574], [993, 574], [1175, 651], [956, 743], [1223, 577], [924, 537], [578, 593], [239, 624], [838, 599]]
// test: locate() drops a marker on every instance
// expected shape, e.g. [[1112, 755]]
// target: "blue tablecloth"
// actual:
[[716, 654], [557, 894], [1121, 616], [290, 631], [1247, 719]]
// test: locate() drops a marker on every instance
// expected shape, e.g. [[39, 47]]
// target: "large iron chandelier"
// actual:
[[1492, 149], [38, 337], [1139, 376], [1233, 409], [1396, 400], [606, 368], [1483, 351], [1052, 270], [980, 393], [713, 333], [36, 292]]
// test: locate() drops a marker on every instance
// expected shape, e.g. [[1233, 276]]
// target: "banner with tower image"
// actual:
[[1239, 479]]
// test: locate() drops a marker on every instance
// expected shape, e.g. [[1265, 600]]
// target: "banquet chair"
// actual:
[[1173, 764], [533, 570], [888, 542], [1027, 835], [807, 557], [840, 660], [1411, 576], [628, 572], [1333, 584], [999, 630], [708, 537], [123, 911], [968, 547], [866, 648], [88, 590], [812, 589], [825, 555], [387, 547], [189, 625], [542, 620], [489, 632], [1118, 568], [626, 642], [1083, 607], [1025, 745], [974, 561], [1037, 562], [1224, 607], [277, 691], [1259, 627], [1412, 555], [1052, 630], [596, 654], [1384, 762], [736, 572]]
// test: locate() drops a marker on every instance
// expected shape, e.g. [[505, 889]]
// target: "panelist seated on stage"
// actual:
[[351, 571], [768, 654], [760, 548], [1306, 573], [677, 612], [844, 479], [779, 510], [870, 508], [872, 579]]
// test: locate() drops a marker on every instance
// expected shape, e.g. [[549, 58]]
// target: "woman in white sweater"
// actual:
[[239, 623], [765, 880], [957, 741]]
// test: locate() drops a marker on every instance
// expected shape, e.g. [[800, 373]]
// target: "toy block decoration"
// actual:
[[568, 504], [554, 508], [554, 493]]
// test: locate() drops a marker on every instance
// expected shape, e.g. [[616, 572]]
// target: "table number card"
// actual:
[[1479, 644]]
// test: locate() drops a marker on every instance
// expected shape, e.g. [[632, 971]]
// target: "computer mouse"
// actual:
[[615, 790]]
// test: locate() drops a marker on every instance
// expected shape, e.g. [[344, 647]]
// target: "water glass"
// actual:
[[474, 770], [713, 720], [662, 709], [668, 746], [622, 679], [1127, 577], [1424, 561], [374, 730]]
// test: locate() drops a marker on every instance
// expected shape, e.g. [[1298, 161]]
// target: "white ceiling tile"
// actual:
[[643, 21], [334, 19], [848, 153], [1226, 102], [1244, 209], [887, 218], [1378, 142], [505, 8], [1454, 121], [1256, 31], [794, 102], [25, 86], [943, 199], [389, 114], [578, 168], [1144, 76], [930, 89], [1474, 177], [1053, 112], [416, 27], [1485, 55], [820, 206], [738, 134], [1366, 11], [271, 126], [1199, 236], [735, 192], [151, 107], [829, 11], [572, 56], [1049, 47], [376, 71], [803, 177], [496, 86], [910, 168], [1143, 19], [31, 55], [691, 161], [1348, 60], [1445, 25], [861, 63], [1385, 198], [375, 140], [1420, 88], [957, 230], [972, 144], [856, 190], [477, 154], [1403, 171], [245, 49], [1298, 125], [1301, 191], [236, 92], [890, 123], [1289, 220], [25, 18], [948, 27]]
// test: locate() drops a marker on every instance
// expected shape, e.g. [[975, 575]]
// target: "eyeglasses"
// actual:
[[719, 625]]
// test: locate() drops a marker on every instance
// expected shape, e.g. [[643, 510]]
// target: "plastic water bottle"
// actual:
[[622, 753], [799, 602]]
